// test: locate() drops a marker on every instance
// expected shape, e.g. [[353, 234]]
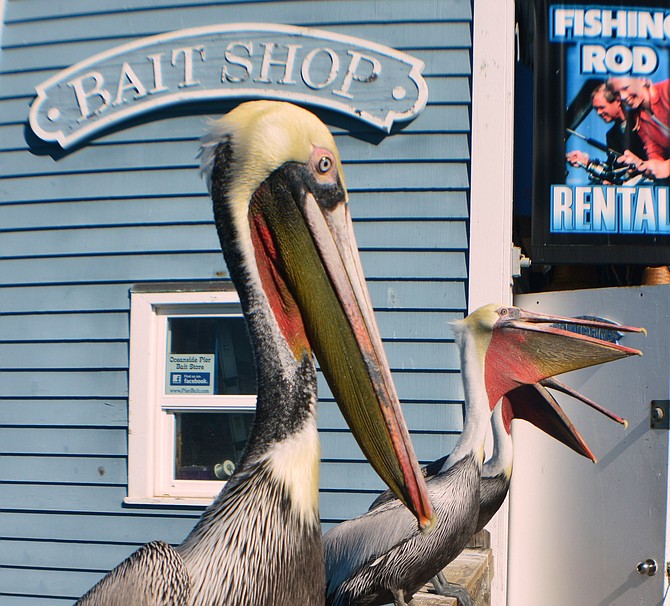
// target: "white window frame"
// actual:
[[151, 424]]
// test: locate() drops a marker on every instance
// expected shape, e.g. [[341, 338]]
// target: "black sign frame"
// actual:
[[554, 113]]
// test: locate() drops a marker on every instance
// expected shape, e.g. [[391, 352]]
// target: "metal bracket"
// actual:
[[659, 414], [519, 262]]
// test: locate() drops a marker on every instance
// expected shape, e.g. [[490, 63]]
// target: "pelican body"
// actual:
[[535, 404], [281, 212], [379, 557]]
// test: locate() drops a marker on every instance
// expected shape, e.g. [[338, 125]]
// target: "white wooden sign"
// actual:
[[368, 81]]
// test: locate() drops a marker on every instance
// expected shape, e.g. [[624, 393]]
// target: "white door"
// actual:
[[579, 530]]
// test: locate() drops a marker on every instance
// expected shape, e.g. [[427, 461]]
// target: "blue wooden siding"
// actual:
[[78, 229]]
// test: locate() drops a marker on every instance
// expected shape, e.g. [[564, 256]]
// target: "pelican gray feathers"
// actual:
[[281, 212], [379, 557], [535, 404]]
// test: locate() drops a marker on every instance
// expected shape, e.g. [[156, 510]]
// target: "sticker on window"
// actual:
[[190, 374]]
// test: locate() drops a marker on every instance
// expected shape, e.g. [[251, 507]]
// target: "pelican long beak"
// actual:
[[528, 347], [533, 403], [315, 252], [554, 383]]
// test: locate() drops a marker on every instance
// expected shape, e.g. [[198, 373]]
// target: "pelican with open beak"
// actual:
[[379, 556]]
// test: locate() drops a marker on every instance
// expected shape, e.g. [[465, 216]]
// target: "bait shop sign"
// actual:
[[367, 81]]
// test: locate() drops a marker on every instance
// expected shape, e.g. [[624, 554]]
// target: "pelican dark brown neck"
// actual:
[[265, 519], [286, 383]]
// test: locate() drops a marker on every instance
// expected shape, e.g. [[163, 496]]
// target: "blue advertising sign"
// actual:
[[602, 133]]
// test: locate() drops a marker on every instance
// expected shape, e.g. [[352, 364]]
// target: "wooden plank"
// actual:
[[114, 268], [198, 209], [148, 154], [445, 62], [100, 185], [408, 37], [155, 154], [108, 412], [130, 528], [409, 205], [416, 386], [64, 497], [411, 147], [344, 506], [428, 446], [48, 583], [186, 181], [152, 239], [112, 413], [66, 298], [73, 355], [27, 600], [32, 383], [58, 554], [417, 235], [354, 476], [411, 36], [417, 295], [422, 356], [71, 470], [388, 265], [64, 441], [15, 112], [108, 24], [421, 417], [65, 327], [391, 235], [457, 10], [90, 213], [421, 325]]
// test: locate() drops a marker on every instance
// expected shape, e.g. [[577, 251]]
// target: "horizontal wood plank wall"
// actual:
[[78, 229]]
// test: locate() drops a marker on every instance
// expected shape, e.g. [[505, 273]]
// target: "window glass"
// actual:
[[208, 446], [209, 355]]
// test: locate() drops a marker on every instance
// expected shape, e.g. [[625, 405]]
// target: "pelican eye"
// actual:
[[324, 164]]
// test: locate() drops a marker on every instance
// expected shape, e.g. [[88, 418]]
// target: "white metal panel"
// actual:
[[578, 530]]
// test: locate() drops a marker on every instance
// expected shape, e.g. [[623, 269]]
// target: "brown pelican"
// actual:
[[379, 557], [535, 404], [281, 211]]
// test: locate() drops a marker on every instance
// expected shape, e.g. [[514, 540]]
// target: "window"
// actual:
[[192, 394]]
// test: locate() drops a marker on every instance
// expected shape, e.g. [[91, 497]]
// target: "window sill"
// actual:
[[168, 501]]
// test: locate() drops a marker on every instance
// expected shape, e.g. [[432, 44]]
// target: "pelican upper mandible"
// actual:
[[281, 212], [379, 557]]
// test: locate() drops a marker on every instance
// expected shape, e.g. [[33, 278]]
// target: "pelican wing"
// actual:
[[428, 472], [363, 540], [154, 575]]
